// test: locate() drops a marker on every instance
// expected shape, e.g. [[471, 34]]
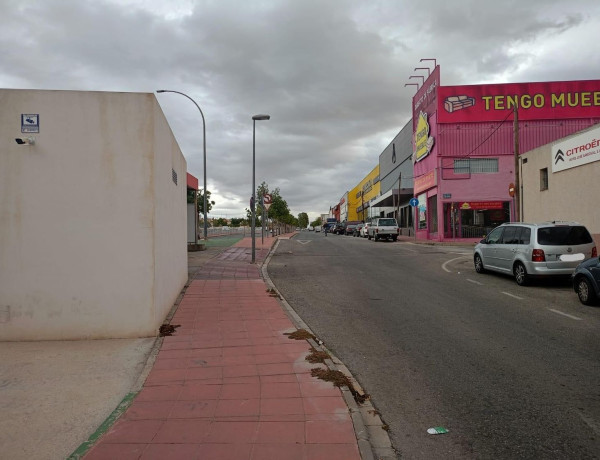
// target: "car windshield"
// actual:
[[564, 236], [387, 222]]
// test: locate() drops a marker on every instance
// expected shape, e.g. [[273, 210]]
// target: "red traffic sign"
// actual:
[[267, 198], [511, 189]]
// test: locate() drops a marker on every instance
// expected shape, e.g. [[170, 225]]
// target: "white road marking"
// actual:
[[564, 314], [303, 241], [512, 295], [451, 260], [474, 282]]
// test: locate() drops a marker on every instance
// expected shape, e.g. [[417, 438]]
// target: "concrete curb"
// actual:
[[372, 438]]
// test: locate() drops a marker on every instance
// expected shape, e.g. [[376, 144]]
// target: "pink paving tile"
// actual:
[[225, 451], [238, 408], [325, 405], [166, 377], [281, 406], [159, 393], [275, 369], [193, 409], [272, 358], [278, 451], [104, 451], [330, 432], [203, 373], [332, 451], [290, 378], [281, 433], [199, 391], [149, 410], [238, 360], [171, 451], [283, 418], [244, 370], [132, 431], [241, 380], [183, 432], [280, 390], [232, 432], [170, 363], [241, 391], [318, 388]]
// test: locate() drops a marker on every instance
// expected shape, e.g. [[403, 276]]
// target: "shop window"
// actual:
[[476, 166], [422, 211], [544, 179], [432, 205]]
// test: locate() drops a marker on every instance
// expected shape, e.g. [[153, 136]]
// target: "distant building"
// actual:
[[92, 215]]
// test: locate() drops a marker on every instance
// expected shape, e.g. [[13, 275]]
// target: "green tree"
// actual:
[[220, 222], [209, 203], [302, 220], [237, 222], [317, 222]]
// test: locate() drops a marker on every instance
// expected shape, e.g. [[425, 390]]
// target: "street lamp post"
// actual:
[[204, 146], [254, 118]]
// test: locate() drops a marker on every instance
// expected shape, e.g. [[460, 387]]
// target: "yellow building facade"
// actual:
[[361, 195]]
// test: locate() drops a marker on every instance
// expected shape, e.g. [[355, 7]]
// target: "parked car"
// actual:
[[384, 228], [317, 228], [364, 231], [586, 281], [350, 225], [358, 229], [534, 250], [338, 229]]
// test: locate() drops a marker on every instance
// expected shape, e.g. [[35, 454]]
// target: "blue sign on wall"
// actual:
[[413, 202]]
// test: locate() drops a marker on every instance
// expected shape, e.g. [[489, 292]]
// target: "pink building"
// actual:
[[464, 147]]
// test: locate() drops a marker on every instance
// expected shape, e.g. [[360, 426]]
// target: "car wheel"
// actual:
[[520, 274], [369, 237], [394, 238], [376, 238], [478, 264], [585, 292]]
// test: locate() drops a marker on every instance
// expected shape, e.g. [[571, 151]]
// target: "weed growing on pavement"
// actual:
[[316, 356], [339, 380], [300, 334], [168, 329]]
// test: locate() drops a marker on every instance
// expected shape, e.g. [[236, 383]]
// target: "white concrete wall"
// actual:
[[572, 194], [89, 216]]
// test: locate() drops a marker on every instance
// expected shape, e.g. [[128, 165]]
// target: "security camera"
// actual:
[[25, 140]]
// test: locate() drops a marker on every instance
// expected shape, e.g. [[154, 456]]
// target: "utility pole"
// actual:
[[517, 178], [399, 193]]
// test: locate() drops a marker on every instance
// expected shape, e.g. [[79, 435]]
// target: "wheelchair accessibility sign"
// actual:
[[30, 122]]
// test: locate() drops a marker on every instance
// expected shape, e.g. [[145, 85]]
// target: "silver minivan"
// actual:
[[533, 250]]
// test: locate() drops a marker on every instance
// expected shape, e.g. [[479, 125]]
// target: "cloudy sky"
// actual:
[[331, 73]]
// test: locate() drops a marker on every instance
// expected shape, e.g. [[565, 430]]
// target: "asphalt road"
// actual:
[[511, 372]]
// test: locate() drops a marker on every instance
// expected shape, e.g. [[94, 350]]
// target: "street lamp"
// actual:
[[204, 143], [254, 118]]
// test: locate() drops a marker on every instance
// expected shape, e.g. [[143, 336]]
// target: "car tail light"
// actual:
[[594, 252], [538, 256]]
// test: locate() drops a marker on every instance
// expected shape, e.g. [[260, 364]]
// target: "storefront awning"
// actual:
[[390, 198]]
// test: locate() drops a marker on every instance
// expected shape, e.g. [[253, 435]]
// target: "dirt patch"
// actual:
[[167, 329], [300, 334], [339, 380]]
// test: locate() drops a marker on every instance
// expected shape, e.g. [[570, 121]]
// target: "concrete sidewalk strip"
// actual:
[[230, 384]]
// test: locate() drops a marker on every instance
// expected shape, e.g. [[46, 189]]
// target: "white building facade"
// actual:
[[560, 181], [93, 237]]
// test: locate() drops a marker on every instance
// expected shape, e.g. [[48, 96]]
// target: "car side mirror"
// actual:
[[483, 241]]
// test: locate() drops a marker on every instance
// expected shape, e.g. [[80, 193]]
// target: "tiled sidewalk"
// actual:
[[229, 384]]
